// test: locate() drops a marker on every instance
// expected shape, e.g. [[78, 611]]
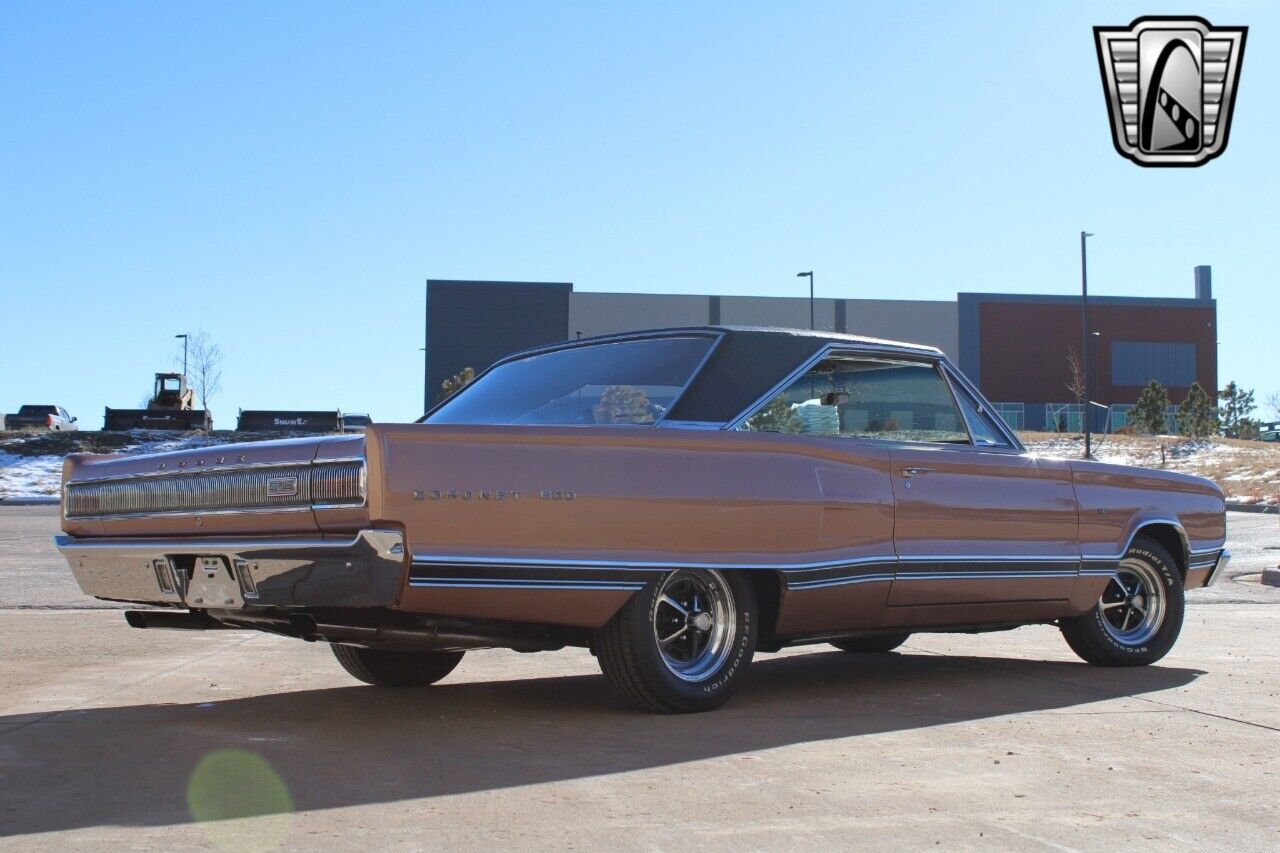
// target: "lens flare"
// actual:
[[229, 785]]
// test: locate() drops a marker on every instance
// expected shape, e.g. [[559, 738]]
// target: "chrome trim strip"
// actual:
[[179, 513], [950, 558], [1176, 525], [1223, 559], [851, 579], [673, 424], [500, 583], [202, 469], [958, 377], [793, 583], [191, 545], [640, 565], [643, 565], [1048, 573]]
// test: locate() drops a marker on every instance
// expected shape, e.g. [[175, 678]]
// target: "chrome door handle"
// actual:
[[913, 471]]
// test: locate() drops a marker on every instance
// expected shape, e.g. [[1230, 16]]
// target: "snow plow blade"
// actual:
[[263, 420], [122, 420]]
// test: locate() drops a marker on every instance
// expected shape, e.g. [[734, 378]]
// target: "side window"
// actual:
[[981, 427], [865, 397]]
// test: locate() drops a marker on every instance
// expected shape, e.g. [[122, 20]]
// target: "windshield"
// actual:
[[627, 382]]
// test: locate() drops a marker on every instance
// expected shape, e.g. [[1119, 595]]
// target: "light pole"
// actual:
[[1084, 340], [809, 274], [184, 356]]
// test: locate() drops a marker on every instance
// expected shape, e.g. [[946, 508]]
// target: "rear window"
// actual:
[[623, 383]]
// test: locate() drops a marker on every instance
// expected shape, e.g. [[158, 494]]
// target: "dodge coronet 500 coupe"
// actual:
[[674, 500]]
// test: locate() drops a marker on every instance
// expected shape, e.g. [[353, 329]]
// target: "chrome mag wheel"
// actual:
[[694, 623], [1133, 604]]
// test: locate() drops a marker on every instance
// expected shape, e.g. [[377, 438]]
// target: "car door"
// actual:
[[978, 521]]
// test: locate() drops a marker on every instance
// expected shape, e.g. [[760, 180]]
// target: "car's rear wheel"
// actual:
[[871, 645], [384, 668], [681, 644], [1138, 616]]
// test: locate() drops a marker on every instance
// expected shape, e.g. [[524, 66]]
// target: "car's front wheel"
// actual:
[[384, 668], [683, 643], [1139, 614]]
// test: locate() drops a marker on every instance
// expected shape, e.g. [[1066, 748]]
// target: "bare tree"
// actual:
[[204, 367], [1273, 403], [1075, 375]]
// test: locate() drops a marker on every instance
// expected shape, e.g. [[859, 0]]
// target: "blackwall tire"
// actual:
[[683, 643], [395, 669], [1139, 615], [871, 645]]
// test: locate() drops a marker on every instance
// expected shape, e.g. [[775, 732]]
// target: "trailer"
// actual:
[[171, 408], [266, 420]]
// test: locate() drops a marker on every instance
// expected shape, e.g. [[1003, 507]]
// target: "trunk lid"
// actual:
[[294, 485]]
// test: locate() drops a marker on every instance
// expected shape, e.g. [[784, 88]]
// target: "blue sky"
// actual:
[[286, 176]]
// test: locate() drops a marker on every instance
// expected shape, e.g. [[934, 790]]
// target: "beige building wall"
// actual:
[[935, 323], [787, 311], [608, 313]]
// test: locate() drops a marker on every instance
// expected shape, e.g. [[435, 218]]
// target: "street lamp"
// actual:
[[810, 276], [184, 356], [1084, 340]]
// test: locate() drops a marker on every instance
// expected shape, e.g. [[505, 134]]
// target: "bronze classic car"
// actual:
[[674, 500]]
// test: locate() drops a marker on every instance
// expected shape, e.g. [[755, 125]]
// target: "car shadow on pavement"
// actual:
[[350, 746]]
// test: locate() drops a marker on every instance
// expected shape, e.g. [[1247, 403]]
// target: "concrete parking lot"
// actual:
[[112, 737]]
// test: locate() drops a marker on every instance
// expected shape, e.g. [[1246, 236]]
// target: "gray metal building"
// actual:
[[1013, 345]]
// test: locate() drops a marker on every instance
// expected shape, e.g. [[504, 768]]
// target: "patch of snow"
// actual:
[[29, 476], [41, 476]]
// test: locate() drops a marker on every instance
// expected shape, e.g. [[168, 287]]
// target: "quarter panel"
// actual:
[[599, 501]]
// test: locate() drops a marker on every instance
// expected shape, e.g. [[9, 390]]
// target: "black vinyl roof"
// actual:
[[749, 361]]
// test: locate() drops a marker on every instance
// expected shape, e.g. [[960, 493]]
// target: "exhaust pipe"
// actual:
[[431, 634], [183, 620]]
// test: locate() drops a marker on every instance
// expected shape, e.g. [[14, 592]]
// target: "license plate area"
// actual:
[[212, 584]]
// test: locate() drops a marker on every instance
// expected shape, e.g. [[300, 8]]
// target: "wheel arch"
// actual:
[[1170, 536]]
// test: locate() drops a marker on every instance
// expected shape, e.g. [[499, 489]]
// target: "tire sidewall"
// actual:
[[718, 685], [1162, 640]]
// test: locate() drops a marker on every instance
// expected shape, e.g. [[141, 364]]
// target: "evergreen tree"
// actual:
[[778, 416], [1197, 416], [1148, 415], [1237, 406], [456, 383]]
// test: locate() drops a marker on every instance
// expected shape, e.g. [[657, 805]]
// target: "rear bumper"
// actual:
[[364, 571]]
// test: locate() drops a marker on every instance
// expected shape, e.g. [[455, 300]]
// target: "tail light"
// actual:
[[48, 421]]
